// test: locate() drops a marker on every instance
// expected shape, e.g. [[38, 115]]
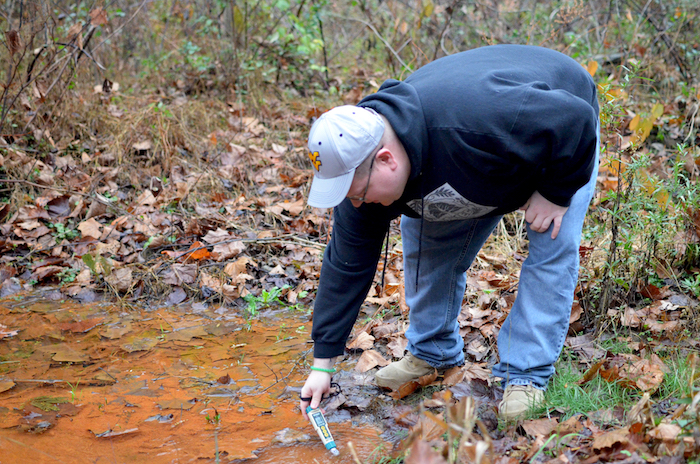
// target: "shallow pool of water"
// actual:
[[99, 383]]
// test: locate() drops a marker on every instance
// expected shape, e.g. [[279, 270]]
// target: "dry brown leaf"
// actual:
[[14, 41], [384, 330], [370, 359], [98, 17], [397, 346], [591, 373], [571, 425], [196, 251], [238, 267], [215, 236], [540, 427], [453, 376], [611, 438], [146, 199], [666, 432], [423, 453], [644, 374], [363, 341], [477, 372], [409, 387], [576, 312], [224, 251], [120, 279], [206, 280], [181, 274], [641, 411], [630, 318], [468, 372], [46, 272]]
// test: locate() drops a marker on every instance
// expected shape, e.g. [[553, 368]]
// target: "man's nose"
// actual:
[[356, 203]]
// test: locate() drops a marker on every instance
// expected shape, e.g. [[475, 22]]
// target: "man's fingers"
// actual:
[[316, 401], [557, 226]]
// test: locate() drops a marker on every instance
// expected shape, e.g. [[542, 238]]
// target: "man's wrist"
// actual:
[[324, 363]]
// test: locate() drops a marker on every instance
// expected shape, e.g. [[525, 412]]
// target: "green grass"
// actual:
[[566, 396], [678, 382]]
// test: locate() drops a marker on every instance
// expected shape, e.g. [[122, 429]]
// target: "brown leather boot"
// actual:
[[518, 400], [400, 372]]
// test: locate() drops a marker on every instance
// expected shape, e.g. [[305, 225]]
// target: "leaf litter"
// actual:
[[205, 256]]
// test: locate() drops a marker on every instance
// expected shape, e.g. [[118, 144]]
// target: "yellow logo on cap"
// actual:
[[314, 160]]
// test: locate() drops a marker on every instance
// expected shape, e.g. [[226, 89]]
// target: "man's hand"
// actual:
[[540, 213], [318, 384]]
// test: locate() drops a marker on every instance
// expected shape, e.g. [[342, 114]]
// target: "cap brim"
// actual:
[[327, 193]]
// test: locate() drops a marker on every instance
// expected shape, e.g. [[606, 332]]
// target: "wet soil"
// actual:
[[99, 383]]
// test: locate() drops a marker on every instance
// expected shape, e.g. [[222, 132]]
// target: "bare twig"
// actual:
[[379, 36]]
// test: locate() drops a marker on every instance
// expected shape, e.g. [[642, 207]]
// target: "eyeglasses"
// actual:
[[369, 177]]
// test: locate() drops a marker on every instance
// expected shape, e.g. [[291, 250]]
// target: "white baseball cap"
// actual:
[[339, 141]]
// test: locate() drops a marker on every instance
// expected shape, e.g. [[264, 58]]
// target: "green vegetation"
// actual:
[[164, 121], [48, 403]]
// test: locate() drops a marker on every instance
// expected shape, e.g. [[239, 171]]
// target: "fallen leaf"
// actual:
[[198, 251], [422, 453], [64, 353], [180, 274], [187, 334], [540, 427], [611, 439], [571, 425], [665, 431], [143, 343], [576, 312], [6, 384], [238, 266], [120, 279], [363, 341], [409, 387], [176, 403], [224, 251], [116, 330], [215, 236], [177, 296], [591, 373], [397, 346], [645, 374], [98, 17], [370, 359], [90, 229]]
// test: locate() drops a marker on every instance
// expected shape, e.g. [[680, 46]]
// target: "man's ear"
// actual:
[[386, 157]]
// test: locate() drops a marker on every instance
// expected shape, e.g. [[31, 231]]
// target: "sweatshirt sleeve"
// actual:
[[562, 128], [349, 265]]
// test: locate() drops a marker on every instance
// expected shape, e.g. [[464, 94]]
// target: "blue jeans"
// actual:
[[532, 336]]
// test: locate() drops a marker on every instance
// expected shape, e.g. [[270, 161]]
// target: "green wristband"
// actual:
[[323, 369]]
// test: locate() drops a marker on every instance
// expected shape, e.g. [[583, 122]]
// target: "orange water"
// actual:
[[154, 380]]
